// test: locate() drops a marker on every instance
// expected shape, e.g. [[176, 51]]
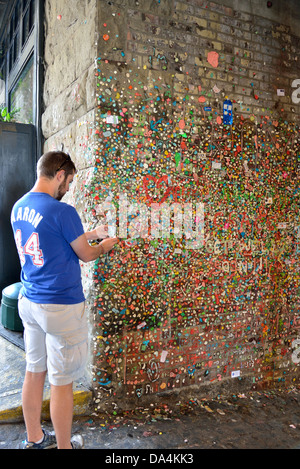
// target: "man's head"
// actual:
[[57, 166], [53, 161]]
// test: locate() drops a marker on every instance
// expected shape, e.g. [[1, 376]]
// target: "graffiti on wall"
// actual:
[[204, 284]]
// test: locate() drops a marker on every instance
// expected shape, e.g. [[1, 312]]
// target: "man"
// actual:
[[50, 240]]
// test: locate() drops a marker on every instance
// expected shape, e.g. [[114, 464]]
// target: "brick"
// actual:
[[207, 34]]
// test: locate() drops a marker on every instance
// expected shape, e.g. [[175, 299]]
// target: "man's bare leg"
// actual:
[[32, 399], [61, 411]]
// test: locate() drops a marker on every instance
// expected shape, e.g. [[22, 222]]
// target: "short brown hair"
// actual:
[[53, 161]]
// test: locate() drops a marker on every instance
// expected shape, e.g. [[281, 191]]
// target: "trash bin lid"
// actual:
[[12, 291]]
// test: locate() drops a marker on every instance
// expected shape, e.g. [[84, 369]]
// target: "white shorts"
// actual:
[[56, 339]]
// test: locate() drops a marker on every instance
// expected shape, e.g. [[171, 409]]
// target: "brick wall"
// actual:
[[169, 316]]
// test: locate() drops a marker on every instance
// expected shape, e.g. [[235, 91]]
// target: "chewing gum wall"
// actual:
[[190, 151]]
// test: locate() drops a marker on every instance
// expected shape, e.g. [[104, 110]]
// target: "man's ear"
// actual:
[[60, 175]]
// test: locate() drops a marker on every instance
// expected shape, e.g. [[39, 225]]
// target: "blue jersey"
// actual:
[[43, 229]]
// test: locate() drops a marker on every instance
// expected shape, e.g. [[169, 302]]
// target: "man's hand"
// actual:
[[108, 244], [100, 232], [88, 253]]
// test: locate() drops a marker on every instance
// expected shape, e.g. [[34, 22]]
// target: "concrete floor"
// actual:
[[260, 421]]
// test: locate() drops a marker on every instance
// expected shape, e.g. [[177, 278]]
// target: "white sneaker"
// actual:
[[77, 442]]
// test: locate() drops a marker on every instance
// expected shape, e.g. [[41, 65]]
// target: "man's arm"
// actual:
[[88, 253]]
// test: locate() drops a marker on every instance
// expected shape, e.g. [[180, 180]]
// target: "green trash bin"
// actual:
[[9, 308]]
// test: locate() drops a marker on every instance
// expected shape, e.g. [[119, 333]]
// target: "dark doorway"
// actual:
[[17, 176]]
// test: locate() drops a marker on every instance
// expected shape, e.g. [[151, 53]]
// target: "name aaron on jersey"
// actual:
[[25, 214]]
